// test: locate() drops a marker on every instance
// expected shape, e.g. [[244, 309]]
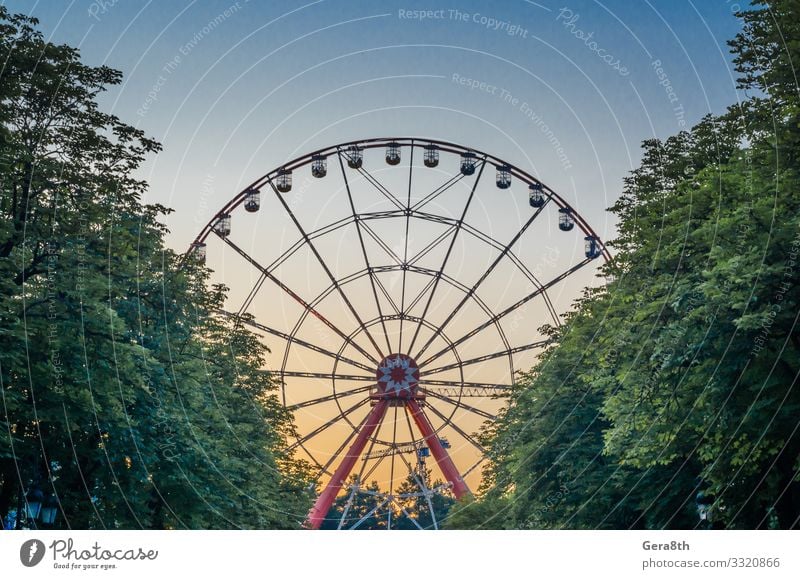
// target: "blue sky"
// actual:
[[232, 89]]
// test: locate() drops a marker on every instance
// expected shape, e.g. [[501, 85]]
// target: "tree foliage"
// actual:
[[673, 389], [123, 395]]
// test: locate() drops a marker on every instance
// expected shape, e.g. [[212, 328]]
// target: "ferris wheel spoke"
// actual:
[[294, 374], [313, 458], [432, 245], [536, 283], [364, 253], [382, 244], [346, 441], [438, 191], [380, 187], [325, 267], [457, 428], [251, 296], [364, 459], [328, 424], [458, 226], [329, 398], [494, 319], [308, 307], [476, 465], [289, 253], [331, 227], [483, 277], [484, 358], [460, 404], [298, 341], [490, 241], [387, 295], [422, 293], [405, 255], [411, 435], [410, 174], [435, 275]]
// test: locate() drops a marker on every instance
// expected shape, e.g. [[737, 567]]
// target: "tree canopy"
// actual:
[[669, 397], [124, 397]]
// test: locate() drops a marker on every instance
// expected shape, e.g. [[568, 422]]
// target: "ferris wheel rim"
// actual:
[[378, 142]]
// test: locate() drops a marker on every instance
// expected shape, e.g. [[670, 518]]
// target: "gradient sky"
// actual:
[[564, 90], [276, 79]]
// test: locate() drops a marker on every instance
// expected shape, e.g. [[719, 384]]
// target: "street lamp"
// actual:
[[703, 502], [40, 508], [33, 500], [49, 510]]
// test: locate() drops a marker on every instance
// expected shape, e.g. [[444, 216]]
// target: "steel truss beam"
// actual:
[[323, 503]]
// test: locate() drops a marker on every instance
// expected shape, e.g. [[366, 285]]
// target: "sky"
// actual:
[[233, 89], [566, 91]]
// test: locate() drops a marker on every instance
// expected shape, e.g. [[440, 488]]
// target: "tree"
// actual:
[[675, 384], [124, 395]]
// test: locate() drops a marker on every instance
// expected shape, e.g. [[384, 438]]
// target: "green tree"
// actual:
[[124, 395], [677, 380]]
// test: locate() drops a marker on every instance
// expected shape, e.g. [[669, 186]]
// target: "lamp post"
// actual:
[[703, 503], [49, 510], [39, 508], [33, 502]]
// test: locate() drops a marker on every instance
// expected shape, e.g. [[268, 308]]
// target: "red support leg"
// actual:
[[323, 504], [443, 459]]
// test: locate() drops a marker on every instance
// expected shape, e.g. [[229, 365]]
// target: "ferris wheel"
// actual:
[[401, 284]]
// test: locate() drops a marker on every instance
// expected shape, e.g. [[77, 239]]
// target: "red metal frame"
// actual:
[[323, 503], [317, 514], [443, 459]]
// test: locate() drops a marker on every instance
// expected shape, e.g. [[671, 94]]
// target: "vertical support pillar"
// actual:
[[443, 459], [325, 500]]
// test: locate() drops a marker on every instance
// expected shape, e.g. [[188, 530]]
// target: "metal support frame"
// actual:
[[325, 500], [449, 470]]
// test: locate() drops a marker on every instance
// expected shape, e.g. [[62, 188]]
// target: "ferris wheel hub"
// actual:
[[398, 376]]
